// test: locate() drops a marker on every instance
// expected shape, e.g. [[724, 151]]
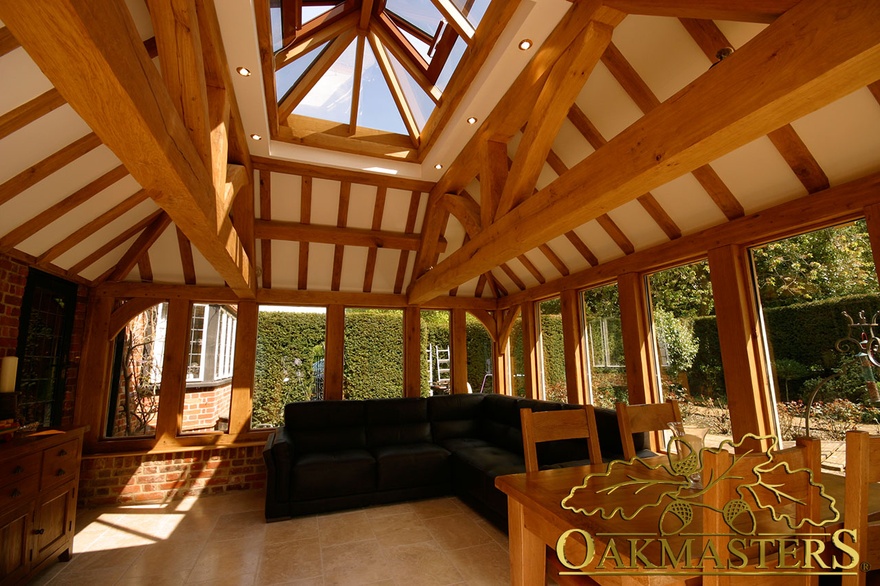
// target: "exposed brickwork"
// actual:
[[164, 477], [203, 407], [13, 277]]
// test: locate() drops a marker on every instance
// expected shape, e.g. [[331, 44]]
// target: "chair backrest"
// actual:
[[806, 454], [862, 469], [641, 418], [546, 426]]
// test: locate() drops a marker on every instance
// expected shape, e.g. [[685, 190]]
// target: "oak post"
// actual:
[[412, 352], [458, 337], [575, 347], [740, 338], [638, 347], [334, 347]]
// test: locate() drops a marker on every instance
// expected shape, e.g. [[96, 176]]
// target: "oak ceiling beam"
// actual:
[[7, 41], [815, 53], [313, 39], [333, 174], [742, 10], [297, 232], [314, 73], [183, 69], [508, 117], [76, 42], [565, 82]]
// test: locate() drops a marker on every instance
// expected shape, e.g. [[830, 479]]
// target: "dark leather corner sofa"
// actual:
[[333, 455]]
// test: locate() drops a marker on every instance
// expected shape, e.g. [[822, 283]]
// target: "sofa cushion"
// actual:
[[320, 475], [609, 436], [456, 444], [412, 465], [500, 424], [455, 416], [392, 422], [492, 461], [326, 426]]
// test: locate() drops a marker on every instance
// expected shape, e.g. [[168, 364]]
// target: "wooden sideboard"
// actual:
[[39, 477]]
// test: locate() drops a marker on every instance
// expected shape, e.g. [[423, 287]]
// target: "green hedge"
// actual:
[[373, 365], [804, 332], [288, 347]]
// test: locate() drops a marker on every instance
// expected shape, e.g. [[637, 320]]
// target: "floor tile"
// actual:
[[361, 562], [225, 541], [457, 531]]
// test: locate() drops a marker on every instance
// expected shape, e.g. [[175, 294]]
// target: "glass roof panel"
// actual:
[[287, 76], [472, 9], [330, 99], [420, 13], [419, 102], [451, 63], [310, 13], [420, 46], [376, 108], [277, 36]]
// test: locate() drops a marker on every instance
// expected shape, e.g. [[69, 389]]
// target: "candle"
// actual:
[[8, 369]]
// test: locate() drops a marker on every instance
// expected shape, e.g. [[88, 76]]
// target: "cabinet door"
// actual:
[[15, 529], [53, 522]]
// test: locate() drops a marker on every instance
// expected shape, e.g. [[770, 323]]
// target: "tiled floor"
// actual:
[[224, 540]]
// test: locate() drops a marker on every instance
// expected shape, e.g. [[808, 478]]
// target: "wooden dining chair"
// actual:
[[806, 454], [862, 469], [641, 418], [547, 426]]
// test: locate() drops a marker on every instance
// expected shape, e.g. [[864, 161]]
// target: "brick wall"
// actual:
[[13, 277], [202, 407], [152, 478]]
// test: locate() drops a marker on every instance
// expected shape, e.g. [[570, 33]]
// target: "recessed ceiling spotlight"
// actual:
[[256, 137], [525, 44], [438, 166], [243, 71], [472, 120]]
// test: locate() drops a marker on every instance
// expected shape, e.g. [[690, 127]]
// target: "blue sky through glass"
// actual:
[[421, 13], [287, 76], [451, 64], [376, 108], [478, 9], [330, 98], [419, 102]]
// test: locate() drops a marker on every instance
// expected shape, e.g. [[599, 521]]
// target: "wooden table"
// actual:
[[536, 519]]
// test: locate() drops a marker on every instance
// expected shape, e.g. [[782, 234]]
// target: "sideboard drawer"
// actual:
[[19, 467], [19, 490], [60, 463]]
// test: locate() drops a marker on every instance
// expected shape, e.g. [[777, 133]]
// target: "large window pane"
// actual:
[[606, 368], [211, 351], [373, 354], [290, 360], [137, 374], [517, 365], [552, 351], [686, 347], [437, 365], [805, 283], [479, 356]]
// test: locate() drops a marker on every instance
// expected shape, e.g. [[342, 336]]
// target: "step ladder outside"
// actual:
[[442, 361]]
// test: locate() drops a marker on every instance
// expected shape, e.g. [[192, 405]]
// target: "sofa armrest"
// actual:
[[278, 456]]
